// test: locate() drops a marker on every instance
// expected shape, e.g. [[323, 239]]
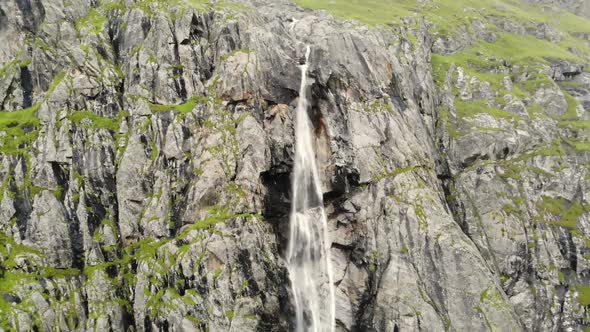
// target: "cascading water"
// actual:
[[308, 255]]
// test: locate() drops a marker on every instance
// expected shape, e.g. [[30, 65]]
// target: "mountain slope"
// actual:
[[146, 148]]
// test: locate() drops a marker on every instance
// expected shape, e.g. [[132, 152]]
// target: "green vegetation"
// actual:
[[493, 297], [572, 105], [183, 108], [379, 106], [373, 12], [397, 172], [520, 49], [10, 278], [583, 294], [110, 5], [446, 15], [149, 250], [93, 23], [20, 130], [229, 314], [58, 192], [532, 84], [155, 152], [234, 52], [420, 215], [10, 250], [554, 149], [510, 209], [448, 122], [567, 213], [580, 146], [155, 7], [86, 119], [470, 109], [483, 59], [217, 215], [13, 65], [570, 119]]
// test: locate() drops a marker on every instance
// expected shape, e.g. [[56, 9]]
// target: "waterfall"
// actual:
[[308, 253]]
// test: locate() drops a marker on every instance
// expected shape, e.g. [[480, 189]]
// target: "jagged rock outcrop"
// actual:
[[146, 148]]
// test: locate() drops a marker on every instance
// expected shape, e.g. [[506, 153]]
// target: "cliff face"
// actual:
[[146, 149]]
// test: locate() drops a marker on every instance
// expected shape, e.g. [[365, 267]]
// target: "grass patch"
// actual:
[[566, 213], [234, 52], [516, 49], [13, 65], [92, 23], [446, 120], [572, 105], [217, 215], [522, 49], [583, 294], [379, 105], [110, 5], [86, 119], [397, 172], [155, 7], [372, 12], [469, 109], [580, 146], [183, 108], [18, 130], [445, 16], [534, 83], [9, 256], [493, 297], [575, 125], [554, 149]]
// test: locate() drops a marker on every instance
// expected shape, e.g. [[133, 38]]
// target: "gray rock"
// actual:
[[459, 204], [48, 230]]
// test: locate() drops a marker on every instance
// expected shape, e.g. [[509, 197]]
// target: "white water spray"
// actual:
[[308, 255]]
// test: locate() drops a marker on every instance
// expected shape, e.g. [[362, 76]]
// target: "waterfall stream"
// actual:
[[308, 253]]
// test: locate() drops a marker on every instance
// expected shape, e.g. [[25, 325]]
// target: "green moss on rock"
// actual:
[[93, 23], [18, 130], [86, 119]]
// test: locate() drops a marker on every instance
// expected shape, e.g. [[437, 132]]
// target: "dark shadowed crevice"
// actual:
[[33, 14], [22, 203], [146, 25], [277, 204], [365, 314], [395, 93], [3, 19], [115, 40], [178, 69], [60, 174], [26, 83]]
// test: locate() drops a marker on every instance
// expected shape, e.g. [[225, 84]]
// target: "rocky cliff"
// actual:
[[146, 148]]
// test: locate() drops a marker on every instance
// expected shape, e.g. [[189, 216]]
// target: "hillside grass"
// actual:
[[170, 8], [372, 12], [446, 14]]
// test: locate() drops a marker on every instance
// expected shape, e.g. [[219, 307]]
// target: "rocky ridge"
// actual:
[[146, 148]]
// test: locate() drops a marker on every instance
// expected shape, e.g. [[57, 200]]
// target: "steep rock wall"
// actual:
[[148, 145]]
